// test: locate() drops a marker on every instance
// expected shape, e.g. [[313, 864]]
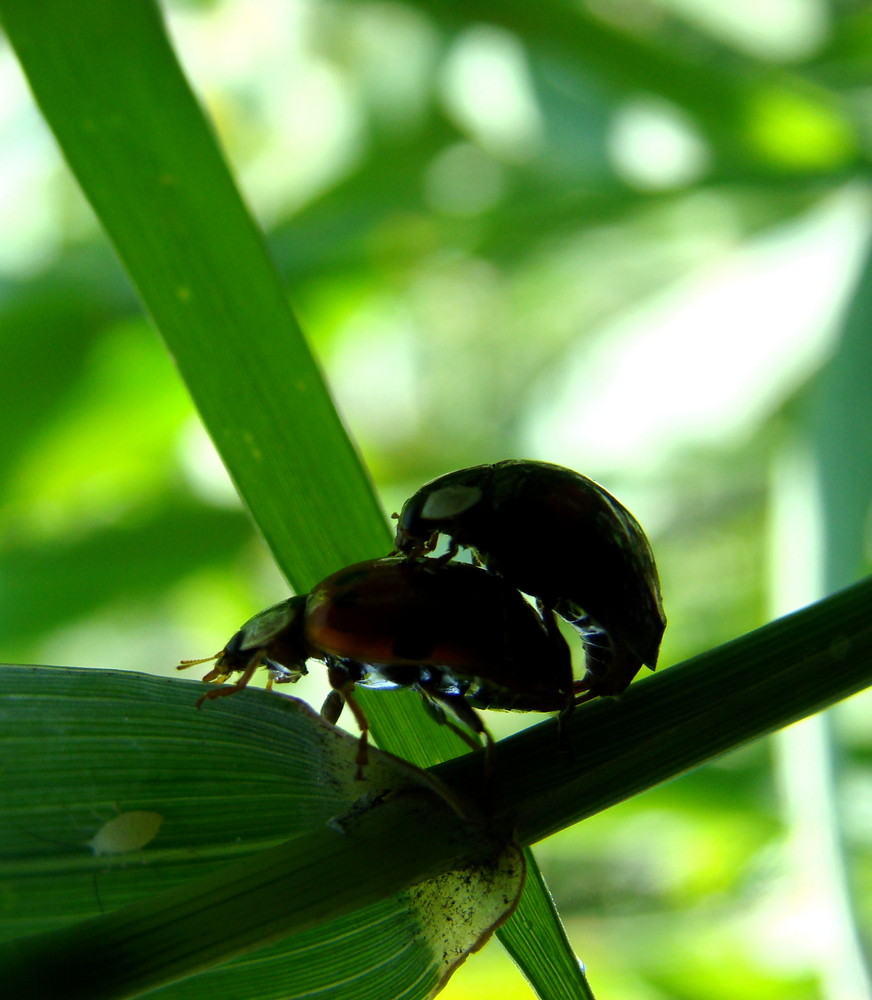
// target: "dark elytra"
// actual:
[[561, 538]]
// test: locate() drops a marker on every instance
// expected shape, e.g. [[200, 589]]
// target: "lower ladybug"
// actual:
[[463, 638], [561, 538]]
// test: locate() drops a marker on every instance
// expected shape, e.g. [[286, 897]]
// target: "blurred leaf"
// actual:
[[44, 335], [839, 436], [716, 86], [845, 59], [108, 447], [841, 432], [80, 575]]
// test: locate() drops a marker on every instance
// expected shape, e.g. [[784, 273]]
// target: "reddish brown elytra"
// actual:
[[460, 636]]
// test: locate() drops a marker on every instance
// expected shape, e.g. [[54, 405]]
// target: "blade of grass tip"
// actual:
[[536, 940]]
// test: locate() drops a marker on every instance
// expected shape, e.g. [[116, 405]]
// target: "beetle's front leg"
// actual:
[[216, 674]]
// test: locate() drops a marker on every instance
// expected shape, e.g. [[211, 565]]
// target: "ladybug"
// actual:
[[561, 538], [463, 638]]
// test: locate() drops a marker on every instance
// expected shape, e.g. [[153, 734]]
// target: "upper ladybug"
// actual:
[[561, 538]]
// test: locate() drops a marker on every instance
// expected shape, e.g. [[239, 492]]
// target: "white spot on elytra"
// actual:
[[449, 502]]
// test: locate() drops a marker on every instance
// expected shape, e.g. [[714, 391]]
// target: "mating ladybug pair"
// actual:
[[462, 635]]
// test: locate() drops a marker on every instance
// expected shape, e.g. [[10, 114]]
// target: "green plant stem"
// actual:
[[666, 724], [610, 750]]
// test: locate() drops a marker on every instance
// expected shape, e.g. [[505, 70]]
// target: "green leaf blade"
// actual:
[[230, 787]]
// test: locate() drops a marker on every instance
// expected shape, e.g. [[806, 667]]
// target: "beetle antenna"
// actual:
[[192, 663]]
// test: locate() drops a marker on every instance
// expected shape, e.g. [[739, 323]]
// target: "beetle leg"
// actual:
[[566, 711], [360, 718], [460, 707], [419, 548], [437, 713], [610, 665], [611, 673], [332, 707], [277, 673], [395, 551], [216, 674], [343, 685], [254, 661]]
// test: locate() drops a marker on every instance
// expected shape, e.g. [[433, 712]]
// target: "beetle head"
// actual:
[[440, 505]]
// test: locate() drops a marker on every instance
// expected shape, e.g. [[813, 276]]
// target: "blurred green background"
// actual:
[[628, 237]]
